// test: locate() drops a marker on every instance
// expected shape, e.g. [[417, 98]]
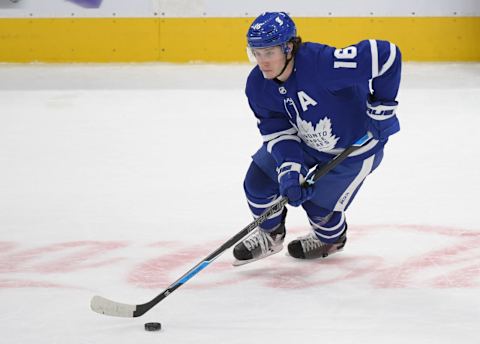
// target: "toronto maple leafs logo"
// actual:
[[320, 136]]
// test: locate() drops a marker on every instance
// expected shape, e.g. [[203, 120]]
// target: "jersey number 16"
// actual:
[[344, 55]]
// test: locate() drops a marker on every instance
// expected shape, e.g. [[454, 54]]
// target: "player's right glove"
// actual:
[[382, 119], [291, 175]]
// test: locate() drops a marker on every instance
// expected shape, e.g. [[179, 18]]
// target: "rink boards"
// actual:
[[214, 30]]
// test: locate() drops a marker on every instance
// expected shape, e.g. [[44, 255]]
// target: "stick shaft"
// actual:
[[108, 307]]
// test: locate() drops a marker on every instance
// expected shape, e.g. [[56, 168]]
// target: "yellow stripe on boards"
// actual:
[[223, 39], [79, 40], [204, 39], [419, 38]]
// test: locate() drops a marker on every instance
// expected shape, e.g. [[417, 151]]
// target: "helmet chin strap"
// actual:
[[287, 61]]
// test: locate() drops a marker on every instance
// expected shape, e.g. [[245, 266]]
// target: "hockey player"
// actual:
[[311, 101]]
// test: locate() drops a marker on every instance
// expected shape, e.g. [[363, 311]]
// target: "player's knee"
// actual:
[[258, 185], [314, 210]]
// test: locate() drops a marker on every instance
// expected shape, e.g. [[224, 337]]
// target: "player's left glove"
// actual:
[[382, 119], [291, 176]]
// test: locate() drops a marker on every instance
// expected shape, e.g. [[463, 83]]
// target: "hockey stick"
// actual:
[[105, 306]]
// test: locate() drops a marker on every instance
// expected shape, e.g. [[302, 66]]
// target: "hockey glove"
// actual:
[[382, 120], [290, 177]]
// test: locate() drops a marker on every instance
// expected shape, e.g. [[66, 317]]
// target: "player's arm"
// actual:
[[283, 143], [382, 104], [279, 136], [380, 62]]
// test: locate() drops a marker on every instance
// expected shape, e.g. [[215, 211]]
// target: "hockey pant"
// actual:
[[333, 193]]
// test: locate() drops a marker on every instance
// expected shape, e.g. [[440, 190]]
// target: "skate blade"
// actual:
[[237, 262], [287, 254]]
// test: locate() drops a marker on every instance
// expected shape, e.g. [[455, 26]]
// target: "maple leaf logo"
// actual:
[[320, 136]]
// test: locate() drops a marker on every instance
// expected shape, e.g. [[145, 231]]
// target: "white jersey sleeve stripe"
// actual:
[[281, 138], [272, 136], [381, 117], [374, 51], [391, 59]]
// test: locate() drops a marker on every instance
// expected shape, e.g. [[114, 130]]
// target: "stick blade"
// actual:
[[108, 307]]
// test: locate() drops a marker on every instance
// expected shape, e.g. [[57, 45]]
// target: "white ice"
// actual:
[[116, 179]]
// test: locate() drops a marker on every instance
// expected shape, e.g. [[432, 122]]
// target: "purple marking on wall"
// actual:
[[87, 3]]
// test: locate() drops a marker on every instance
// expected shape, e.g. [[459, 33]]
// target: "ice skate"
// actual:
[[259, 245], [310, 247]]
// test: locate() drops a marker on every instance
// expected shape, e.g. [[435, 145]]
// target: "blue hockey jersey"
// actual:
[[321, 108]]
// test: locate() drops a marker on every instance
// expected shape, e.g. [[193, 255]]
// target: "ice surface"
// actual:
[[117, 179]]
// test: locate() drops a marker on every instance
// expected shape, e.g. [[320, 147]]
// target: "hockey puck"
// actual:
[[153, 326]]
